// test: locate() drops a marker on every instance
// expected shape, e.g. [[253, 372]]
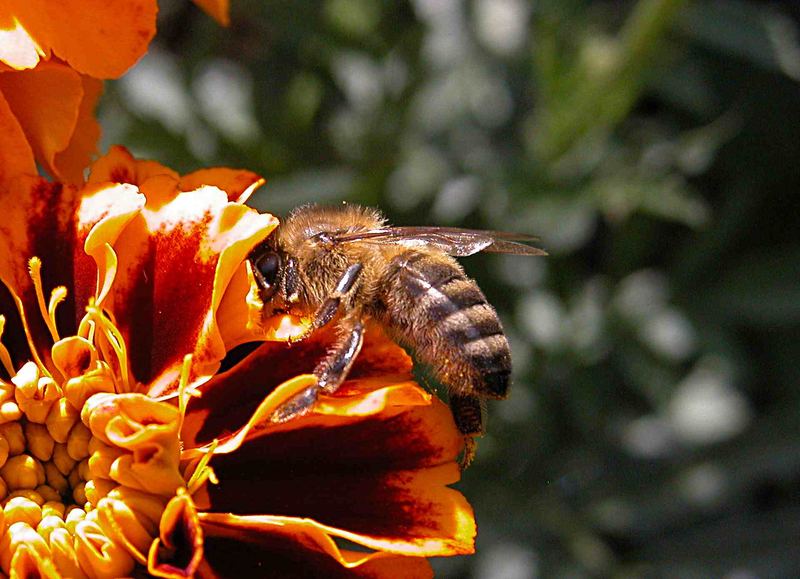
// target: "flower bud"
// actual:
[[48, 524], [74, 516], [16, 535], [62, 549], [36, 398], [148, 507], [74, 478], [120, 522], [61, 419], [99, 553], [9, 411], [22, 510], [12, 431], [40, 443], [55, 479], [98, 380], [73, 356], [78, 441], [28, 494], [3, 450], [22, 472], [102, 458], [47, 492], [79, 493], [63, 461], [96, 489], [6, 390], [53, 508]]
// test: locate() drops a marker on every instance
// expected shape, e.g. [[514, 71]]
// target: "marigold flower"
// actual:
[[129, 450]]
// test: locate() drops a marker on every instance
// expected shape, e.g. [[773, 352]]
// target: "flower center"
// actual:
[[87, 467]]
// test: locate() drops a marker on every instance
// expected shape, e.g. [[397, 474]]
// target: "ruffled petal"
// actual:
[[267, 546], [230, 398], [175, 260], [101, 38], [237, 183], [119, 166], [178, 551]]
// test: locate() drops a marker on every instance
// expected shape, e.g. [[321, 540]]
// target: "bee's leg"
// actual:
[[333, 370], [327, 311], [468, 413], [330, 372]]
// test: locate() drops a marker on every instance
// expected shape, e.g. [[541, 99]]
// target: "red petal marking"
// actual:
[[175, 260], [38, 221], [231, 397], [104, 212], [382, 477], [283, 547]]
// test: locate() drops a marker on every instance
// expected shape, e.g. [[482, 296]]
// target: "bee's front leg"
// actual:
[[333, 369], [330, 372], [327, 310]]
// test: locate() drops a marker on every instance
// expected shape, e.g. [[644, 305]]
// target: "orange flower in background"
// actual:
[[131, 438], [53, 55]]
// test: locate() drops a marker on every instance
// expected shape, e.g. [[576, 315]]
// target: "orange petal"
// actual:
[[237, 183], [375, 463], [119, 166], [230, 398], [16, 155], [266, 546], [178, 550], [69, 163], [217, 9], [45, 101], [101, 38]]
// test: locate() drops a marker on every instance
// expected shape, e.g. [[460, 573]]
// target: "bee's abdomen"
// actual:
[[442, 312]]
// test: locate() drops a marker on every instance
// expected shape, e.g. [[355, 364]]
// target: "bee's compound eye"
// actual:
[[266, 268]]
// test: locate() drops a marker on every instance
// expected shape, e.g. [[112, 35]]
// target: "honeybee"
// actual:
[[347, 261]]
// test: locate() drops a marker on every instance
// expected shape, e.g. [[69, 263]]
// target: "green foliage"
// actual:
[[652, 145]]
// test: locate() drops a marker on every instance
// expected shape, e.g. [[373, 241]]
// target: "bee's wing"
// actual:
[[451, 240]]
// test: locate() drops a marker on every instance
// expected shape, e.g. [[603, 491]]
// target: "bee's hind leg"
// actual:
[[330, 372], [469, 414]]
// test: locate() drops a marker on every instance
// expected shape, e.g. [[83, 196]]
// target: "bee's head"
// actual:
[[276, 274], [267, 263]]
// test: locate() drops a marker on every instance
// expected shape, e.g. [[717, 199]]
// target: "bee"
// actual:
[[347, 264]]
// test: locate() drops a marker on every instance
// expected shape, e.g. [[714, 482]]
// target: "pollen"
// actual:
[[87, 466]]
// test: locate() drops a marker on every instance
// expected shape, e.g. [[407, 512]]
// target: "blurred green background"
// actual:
[[653, 145]]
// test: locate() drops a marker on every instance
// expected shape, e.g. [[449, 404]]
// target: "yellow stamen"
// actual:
[[27, 328], [5, 357], [58, 295], [114, 338], [184, 390], [35, 271], [203, 472], [111, 263]]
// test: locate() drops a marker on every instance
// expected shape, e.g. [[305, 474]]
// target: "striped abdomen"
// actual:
[[431, 305]]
